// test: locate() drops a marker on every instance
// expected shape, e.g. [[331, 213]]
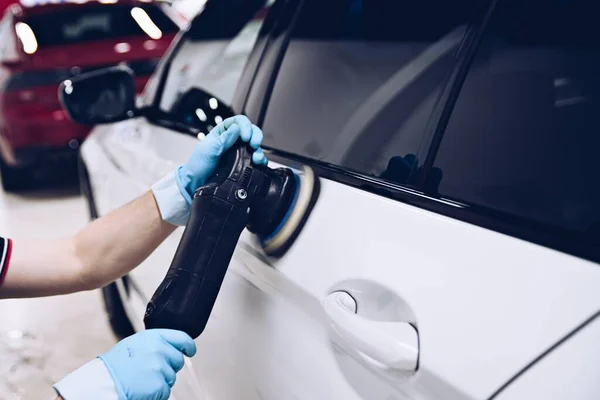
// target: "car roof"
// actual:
[[33, 7]]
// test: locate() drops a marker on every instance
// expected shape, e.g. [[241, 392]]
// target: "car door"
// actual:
[[474, 257]]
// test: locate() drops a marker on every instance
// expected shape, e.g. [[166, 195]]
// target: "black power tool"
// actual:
[[274, 204]]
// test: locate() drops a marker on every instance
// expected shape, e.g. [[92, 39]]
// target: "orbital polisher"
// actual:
[[273, 204]]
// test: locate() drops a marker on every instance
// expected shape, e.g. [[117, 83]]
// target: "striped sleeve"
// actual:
[[5, 253]]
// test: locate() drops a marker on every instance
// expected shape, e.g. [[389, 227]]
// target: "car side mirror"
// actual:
[[99, 97]]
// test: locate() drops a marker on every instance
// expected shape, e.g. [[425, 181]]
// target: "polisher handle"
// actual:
[[185, 298]]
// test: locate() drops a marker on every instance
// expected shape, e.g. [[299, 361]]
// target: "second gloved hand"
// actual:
[[204, 160], [144, 366]]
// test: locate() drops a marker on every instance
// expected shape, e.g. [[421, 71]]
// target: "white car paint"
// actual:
[[563, 373], [484, 304]]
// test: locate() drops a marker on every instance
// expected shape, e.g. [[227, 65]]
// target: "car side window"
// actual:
[[524, 134], [360, 78], [205, 71]]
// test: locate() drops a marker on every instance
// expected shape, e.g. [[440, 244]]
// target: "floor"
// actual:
[[41, 340]]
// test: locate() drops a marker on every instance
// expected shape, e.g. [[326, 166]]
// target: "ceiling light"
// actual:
[[145, 22], [27, 37]]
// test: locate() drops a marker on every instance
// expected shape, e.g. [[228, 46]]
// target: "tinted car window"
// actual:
[[360, 78], [523, 137], [205, 71], [89, 23]]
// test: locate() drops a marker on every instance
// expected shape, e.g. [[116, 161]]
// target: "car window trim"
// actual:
[[538, 233], [438, 121], [256, 56], [277, 38], [278, 45]]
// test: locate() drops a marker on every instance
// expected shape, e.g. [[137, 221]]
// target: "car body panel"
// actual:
[[570, 371], [485, 304]]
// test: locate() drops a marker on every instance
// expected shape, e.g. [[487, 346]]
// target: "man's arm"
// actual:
[[103, 251], [113, 245]]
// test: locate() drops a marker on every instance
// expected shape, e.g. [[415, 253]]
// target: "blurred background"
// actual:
[[43, 43]]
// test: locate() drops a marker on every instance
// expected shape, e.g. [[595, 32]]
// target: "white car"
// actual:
[[453, 251]]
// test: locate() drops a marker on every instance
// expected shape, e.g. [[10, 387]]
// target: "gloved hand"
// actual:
[[143, 366], [202, 164]]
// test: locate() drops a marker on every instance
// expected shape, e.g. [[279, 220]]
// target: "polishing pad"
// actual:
[[306, 194]]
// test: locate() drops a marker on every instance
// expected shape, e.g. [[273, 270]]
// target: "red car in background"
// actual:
[[42, 45]]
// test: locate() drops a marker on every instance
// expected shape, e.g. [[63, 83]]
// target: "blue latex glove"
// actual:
[[143, 366], [203, 161]]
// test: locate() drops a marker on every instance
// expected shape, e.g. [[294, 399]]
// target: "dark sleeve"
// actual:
[[5, 253]]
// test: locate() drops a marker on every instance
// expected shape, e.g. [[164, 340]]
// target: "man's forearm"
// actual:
[[113, 245], [103, 251]]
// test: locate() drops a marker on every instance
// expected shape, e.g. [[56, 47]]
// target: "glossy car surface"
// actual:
[[42, 45], [458, 215]]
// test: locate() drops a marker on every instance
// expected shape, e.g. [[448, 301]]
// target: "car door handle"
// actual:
[[388, 345]]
